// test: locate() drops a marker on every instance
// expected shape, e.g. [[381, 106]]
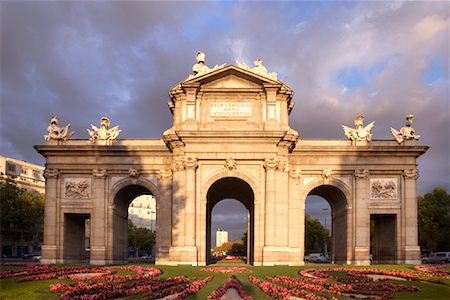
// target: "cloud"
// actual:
[[83, 60]]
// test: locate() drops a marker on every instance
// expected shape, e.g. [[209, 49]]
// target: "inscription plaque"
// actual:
[[231, 109]]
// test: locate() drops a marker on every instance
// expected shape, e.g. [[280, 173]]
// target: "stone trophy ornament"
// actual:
[[200, 68], [57, 133], [407, 132], [359, 133], [104, 133], [258, 69]]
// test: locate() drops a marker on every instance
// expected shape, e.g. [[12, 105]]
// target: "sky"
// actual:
[[82, 60]]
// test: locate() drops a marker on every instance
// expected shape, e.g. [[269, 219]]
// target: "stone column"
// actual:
[[362, 218], [410, 230], [270, 164], [49, 254], [164, 217], [98, 218], [191, 165]]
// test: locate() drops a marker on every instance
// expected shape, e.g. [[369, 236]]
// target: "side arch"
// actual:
[[339, 196], [121, 194]]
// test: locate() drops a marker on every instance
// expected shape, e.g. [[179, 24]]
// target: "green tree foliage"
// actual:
[[139, 238], [434, 220], [316, 234], [21, 214]]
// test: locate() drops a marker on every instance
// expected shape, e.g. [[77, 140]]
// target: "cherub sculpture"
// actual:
[[57, 133], [103, 133], [359, 133], [407, 132]]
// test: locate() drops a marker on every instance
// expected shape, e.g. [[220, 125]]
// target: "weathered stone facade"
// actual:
[[231, 139]]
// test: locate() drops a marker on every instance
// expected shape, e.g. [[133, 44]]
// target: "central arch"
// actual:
[[231, 188]]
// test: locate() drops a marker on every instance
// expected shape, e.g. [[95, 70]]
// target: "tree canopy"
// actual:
[[21, 214], [434, 220], [316, 235]]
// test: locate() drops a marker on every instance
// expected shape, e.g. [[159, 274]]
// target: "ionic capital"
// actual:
[[100, 173], [271, 163], [361, 173], [295, 173], [190, 163], [165, 174], [51, 173], [411, 174], [177, 164]]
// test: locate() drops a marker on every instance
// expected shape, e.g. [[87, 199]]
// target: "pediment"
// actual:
[[231, 82], [231, 77]]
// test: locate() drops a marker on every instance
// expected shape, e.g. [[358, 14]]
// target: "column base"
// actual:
[[287, 256], [361, 256]]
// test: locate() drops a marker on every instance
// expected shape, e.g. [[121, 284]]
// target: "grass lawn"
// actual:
[[11, 289]]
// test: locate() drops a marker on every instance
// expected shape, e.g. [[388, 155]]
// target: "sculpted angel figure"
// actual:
[[57, 133], [104, 133], [359, 133], [407, 132]]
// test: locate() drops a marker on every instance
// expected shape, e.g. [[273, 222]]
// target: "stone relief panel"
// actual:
[[77, 188], [384, 188]]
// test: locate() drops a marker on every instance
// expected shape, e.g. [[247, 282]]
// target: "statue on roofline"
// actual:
[[407, 132], [57, 133], [259, 69], [359, 133], [200, 68], [104, 133]]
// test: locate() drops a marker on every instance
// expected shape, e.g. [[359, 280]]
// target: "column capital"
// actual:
[[295, 173], [51, 173], [165, 174], [361, 173], [190, 163], [177, 164], [99, 173], [411, 174], [271, 163]]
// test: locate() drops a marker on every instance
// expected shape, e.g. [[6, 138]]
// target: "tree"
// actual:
[[434, 220], [140, 238], [316, 234], [21, 214]]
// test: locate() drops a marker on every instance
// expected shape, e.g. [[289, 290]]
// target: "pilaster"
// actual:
[[362, 218], [410, 233], [98, 218], [49, 248]]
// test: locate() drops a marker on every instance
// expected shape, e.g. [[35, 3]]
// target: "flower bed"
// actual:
[[226, 270], [326, 285], [433, 270], [230, 284], [87, 291]]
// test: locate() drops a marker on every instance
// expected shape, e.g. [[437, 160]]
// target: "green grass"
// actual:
[[10, 289]]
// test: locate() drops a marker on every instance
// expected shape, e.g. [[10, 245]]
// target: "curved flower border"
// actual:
[[231, 283], [226, 270]]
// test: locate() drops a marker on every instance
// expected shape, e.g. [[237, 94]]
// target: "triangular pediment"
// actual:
[[230, 77]]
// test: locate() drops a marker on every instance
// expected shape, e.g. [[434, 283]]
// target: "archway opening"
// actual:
[[142, 228], [237, 189], [318, 247], [336, 220], [229, 224], [121, 249]]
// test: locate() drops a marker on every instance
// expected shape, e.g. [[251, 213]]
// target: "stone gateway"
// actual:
[[231, 139]]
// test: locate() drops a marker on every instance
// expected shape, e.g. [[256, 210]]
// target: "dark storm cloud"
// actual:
[[83, 60]]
